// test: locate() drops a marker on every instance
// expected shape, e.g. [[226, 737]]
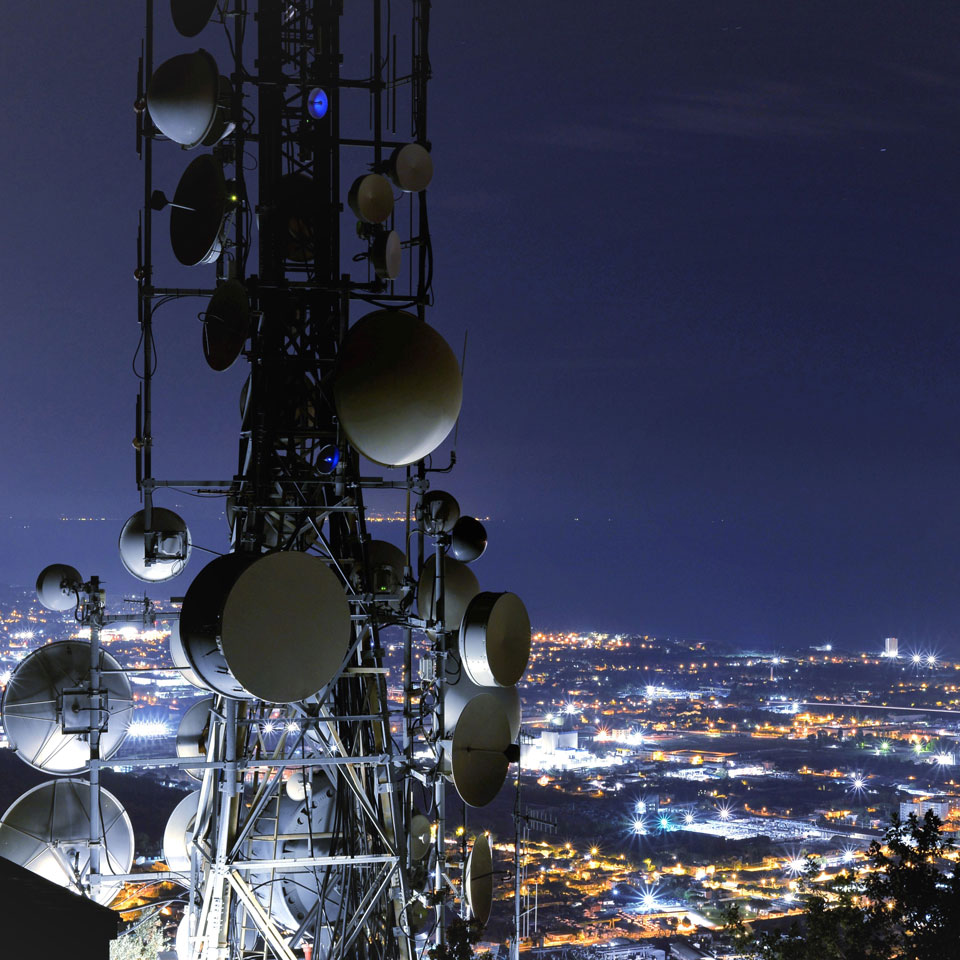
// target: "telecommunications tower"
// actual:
[[319, 826]]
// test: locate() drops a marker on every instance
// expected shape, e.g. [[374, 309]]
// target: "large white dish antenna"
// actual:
[[58, 674], [192, 734], [198, 212], [397, 387], [178, 833], [172, 545], [459, 690], [386, 255], [460, 586], [411, 167], [183, 98], [478, 879], [495, 639], [468, 539], [305, 829], [274, 627], [478, 758], [57, 586], [47, 830]]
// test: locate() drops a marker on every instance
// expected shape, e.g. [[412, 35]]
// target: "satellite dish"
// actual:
[[46, 699], [58, 585], [495, 639], [459, 690], [419, 836], [478, 754], [170, 546], [460, 586], [198, 212], [386, 255], [304, 830], [178, 834], [226, 325], [186, 931], [191, 16], [239, 600], [186, 100], [179, 657], [468, 539], [438, 512], [386, 564], [296, 785], [371, 198], [47, 830], [397, 387], [478, 879], [192, 734], [411, 167]]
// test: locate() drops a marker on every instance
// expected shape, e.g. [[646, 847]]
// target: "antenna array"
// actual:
[[319, 825]]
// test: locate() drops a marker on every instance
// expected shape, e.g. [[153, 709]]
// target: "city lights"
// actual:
[[148, 729]]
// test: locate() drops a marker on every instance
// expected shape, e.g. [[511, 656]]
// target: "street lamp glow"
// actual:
[[917, 658], [688, 818], [664, 822], [639, 827], [931, 660], [796, 865]]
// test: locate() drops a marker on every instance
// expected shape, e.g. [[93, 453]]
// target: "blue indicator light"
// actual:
[[317, 103]]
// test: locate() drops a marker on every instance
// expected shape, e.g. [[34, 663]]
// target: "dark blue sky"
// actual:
[[706, 252]]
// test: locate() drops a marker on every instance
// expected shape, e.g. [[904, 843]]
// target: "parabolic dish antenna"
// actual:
[[198, 211], [192, 734], [58, 674], [419, 836], [478, 756], [178, 833], [459, 690], [226, 325], [172, 545], [411, 167], [495, 639], [179, 657], [57, 586], [191, 16], [273, 627], [386, 255], [183, 100], [371, 198], [386, 563], [397, 387], [468, 539], [478, 879], [460, 587], [304, 829], [47, 830]]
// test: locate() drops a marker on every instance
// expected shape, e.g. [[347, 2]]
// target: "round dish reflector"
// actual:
[[371, 198], [387, 255], [57, 586], [478, 879], [191, 16], [386, 563], [468, 539], [183, 98], [411, 167], [273, 627], [179, 657], [54, 675], [419, 836], [459, 690], [478, 758], [438, 512], [226, 325], [170, 546], [178, 833], [397, 387], [196, 222], [460, 586], [47, 830], [192, 734], [318, 103], [495, 639]]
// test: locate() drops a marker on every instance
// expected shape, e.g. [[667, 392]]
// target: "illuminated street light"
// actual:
[[688, 818]]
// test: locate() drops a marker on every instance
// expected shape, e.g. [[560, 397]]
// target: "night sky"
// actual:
[[706, 253]]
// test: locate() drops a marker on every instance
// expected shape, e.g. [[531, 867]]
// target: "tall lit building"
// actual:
[[890, 646]]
